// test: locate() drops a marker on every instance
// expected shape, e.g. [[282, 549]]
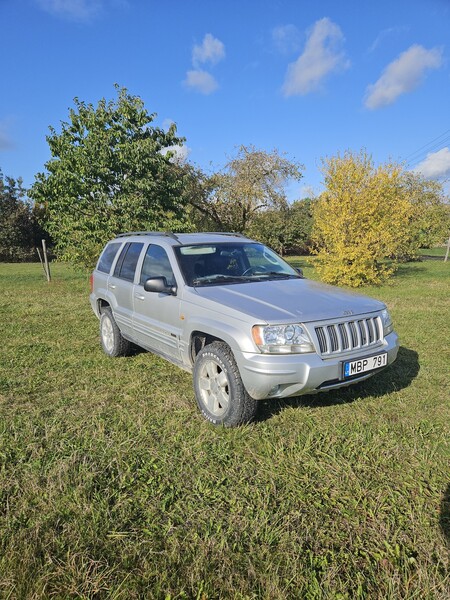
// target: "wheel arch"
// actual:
[[198, 340], [102, 304], [204, 331]]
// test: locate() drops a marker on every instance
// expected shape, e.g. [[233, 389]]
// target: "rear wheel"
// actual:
[[220, 393], [113, 343]]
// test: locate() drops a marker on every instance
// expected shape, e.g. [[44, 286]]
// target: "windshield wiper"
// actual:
[[211, 279], [278, 275]]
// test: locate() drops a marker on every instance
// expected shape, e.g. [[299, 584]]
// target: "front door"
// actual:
[[156, 320]]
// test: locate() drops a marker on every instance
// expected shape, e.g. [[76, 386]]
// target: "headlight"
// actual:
[[282, 339], [387, 322]]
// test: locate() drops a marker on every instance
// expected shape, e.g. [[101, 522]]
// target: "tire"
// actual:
[[220, 393], [112, 341]]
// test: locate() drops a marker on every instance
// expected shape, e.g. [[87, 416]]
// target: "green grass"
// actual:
[[112, 485], [439, 251]]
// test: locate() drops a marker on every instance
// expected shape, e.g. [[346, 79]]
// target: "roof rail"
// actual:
[[174, 236], [229, 233], [155, 233]]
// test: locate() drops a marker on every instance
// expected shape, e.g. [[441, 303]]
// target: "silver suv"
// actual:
[[236, 315]]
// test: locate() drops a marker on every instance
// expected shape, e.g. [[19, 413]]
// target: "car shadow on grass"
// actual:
[[444, 518], [396, 377]]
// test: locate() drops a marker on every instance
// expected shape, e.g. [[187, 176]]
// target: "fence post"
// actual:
[[47, 266], [41, 260]]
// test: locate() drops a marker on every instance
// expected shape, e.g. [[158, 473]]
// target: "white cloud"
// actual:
[[73, 10], [286, 38], [436, 164], [79, 10], [179, 153], [210, 51], [402, 75], [201, 81], [385, 33], [323, 55], [167, 123]]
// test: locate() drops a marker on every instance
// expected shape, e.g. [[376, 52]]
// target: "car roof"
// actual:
[[177, 239]]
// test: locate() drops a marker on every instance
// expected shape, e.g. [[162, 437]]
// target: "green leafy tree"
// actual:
[[198, 187], [111, 170], [431, 222], [252, 182], [19, 230], [300, 226], [286, 230]]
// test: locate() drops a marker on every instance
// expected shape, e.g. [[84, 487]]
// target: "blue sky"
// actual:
[[308, 78]]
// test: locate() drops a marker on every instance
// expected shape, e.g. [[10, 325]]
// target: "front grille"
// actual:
[[351, 335]]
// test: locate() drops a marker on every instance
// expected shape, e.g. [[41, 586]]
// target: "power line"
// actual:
[[439, 146], [428, 144]]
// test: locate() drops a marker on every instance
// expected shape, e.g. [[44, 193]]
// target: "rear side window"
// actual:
[[126, 265], [107, 257]]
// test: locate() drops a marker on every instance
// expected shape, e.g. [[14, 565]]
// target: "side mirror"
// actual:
[[159, 285], [300, 272]]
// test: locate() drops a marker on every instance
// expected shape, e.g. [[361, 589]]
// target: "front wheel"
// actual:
[[220, 393]]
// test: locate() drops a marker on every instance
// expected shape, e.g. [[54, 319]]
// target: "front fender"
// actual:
[[237, 336]]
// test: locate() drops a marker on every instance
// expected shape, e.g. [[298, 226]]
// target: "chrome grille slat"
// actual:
[[365, 332], [333, 338], [370, 330], [348, 334], [336, 338], [321, 339], [327, 339], [376, 325]]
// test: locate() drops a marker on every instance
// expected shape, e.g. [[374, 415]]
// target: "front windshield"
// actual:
[[225, 263]]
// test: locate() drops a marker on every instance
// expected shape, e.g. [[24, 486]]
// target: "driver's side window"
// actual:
[[157, 264]]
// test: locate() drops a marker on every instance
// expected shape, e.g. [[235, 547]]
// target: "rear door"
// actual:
[[120, 286], [156, 321]]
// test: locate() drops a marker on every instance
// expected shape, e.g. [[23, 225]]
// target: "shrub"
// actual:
[[361, 219]]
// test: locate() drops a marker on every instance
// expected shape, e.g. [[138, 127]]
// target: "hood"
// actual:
[[290, 300]]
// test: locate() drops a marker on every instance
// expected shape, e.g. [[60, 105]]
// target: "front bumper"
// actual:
[[283, 375]]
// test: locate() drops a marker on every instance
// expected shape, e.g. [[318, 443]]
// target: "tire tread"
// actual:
[[122, 347], [242, 406]]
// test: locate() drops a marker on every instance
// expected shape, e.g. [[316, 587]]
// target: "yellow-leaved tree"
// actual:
[[362, 221]]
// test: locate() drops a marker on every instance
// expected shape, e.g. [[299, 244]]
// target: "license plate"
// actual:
[[363, 365]]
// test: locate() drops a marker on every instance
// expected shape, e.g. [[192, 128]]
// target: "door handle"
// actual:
[[139, 297], [112, 286]]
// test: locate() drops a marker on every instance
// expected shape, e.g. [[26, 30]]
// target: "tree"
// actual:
[[286, 230], [361, 219], [111, 171], [18, 226], [431, 222], [253, 181]]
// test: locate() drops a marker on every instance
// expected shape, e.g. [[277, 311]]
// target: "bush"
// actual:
[[363, 218]]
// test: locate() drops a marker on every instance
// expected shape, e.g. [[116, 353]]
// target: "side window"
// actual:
[[126, 265], [156, 264], [107, 257]]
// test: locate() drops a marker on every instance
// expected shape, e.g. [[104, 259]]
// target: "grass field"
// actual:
[[113, 486]]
